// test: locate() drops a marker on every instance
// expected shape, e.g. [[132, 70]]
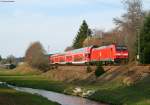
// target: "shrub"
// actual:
[[36, 57], [12, 66], [146, 54], [88, 69], [99, 71]]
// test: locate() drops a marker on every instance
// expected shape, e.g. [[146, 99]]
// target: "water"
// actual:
[[57, 97]]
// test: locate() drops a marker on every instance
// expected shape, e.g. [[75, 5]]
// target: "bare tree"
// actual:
[[69, 48], [130, 24], [36, 56], [101, 38], [11, 59]]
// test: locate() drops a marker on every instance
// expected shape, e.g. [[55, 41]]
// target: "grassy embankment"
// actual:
[[11, 97], [112, 91], [118, 94]]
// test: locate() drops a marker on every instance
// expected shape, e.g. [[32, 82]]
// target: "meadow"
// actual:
[[111, 92], [10, 96]]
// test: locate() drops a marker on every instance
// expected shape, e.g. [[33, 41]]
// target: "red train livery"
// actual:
[[110, 53]]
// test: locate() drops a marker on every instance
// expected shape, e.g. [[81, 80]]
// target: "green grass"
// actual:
[[11, 97], [113, 92], [118, 94], [36, 82], [10, 72], [31, 80]]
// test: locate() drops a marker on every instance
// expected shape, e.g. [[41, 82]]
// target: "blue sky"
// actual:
[[52, 22]]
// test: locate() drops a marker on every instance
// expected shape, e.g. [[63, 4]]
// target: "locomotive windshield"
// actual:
[[120, 48]]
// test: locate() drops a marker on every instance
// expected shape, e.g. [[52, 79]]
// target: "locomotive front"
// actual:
[[122, 54]]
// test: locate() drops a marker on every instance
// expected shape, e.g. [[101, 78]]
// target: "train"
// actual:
[[107, 54]]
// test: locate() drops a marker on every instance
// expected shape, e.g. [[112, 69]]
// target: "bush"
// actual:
[[99, 71], [12, 66], [88, 69], [146, 54], [36, 57]]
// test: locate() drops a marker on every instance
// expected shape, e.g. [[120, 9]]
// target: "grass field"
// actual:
[[37, 82], [118, 94], [20, 70], [113, 92], [11, 97]]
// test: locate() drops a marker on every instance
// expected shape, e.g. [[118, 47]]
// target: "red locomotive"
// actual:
[[108, 54]]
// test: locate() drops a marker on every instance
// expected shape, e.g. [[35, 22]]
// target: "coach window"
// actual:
[[87, 55], [69, 57]]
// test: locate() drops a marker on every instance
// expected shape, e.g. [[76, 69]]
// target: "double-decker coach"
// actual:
[[77, 56], [109, 53]]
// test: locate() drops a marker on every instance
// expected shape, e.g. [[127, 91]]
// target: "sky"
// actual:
[[54, 23]]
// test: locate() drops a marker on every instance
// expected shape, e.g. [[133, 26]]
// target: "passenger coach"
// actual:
[[111, 53]]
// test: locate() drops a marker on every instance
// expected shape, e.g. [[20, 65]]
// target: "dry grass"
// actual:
[[23, 69], [125, 73], [70, 73]]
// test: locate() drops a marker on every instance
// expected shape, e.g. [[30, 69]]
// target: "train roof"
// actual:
[[79, 50], [85, 49]]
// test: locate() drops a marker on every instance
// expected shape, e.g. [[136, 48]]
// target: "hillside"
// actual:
[[120, 85], [128, 74]]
